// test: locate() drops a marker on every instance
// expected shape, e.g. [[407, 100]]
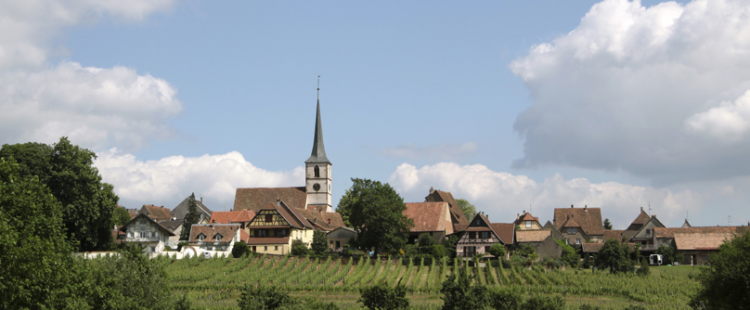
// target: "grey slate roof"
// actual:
[[181, 210], [318, 151]]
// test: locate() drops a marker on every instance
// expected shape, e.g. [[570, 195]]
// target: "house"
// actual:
[[527, 222], [174, 226], [531, 237], [458, 219], [312, 203], [156, 213], [481, 234], [430, 218], [554, 232], [339, 237], [181, 210], [646, 237], [639, 221], [548, 248], [274, 228], [214, 237], [580, 225], [695, 243], [148, 233], [232, 217]]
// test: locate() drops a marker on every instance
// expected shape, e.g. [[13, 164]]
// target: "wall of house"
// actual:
[[534, 226], [172, 241], [549, 249], [273, 249], [341, 235], [578, 235], [696, 257]]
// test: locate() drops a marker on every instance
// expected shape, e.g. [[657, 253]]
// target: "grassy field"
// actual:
[[216, 283]]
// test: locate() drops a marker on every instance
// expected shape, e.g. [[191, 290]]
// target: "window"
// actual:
[[276, 248], [648, 231], [472, 235], [218, 238], [261, 233], [338, 244], [528, 224], [269, 218], [143, 234], [130, 235], [265, 248], [477, 221], [578, 241], [282, 233], [572, 231], [486, 249], [200, 238], [317, 172], [485, 234]]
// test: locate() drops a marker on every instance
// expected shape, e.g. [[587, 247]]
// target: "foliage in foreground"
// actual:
[[383, 297], [272, 297], [726, 283]]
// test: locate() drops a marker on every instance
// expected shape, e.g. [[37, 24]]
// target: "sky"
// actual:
[[513, 105]]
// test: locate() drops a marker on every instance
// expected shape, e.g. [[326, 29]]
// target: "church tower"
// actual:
[[318, 169]]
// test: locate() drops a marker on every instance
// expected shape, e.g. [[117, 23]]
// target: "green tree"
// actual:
[[525, 250], [378, 211], [569, 255], [240, 249], [345, 206], [614, 256], [607, 224], [383, 297], [459, 293], [67, 170], [469, 210], [425, 240], [669, 254], [121, 216], [191, 217], [497, 250], [319, 243], [37, 268], [725, 284], [644, 270], [299, 248], [263, 298], [450, 245]]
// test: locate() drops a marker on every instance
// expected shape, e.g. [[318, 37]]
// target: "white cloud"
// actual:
[[171, 179], [95, 107], [503, 195], [630, 86], [438, 152]]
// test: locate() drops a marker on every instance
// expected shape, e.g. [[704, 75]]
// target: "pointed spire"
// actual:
[[318, 151]]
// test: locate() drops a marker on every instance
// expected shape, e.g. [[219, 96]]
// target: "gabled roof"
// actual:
[[613, 234], [429, 216], [588, 219], [292, 216], [157, 213], [532, 235], [701, 241], [639, 221], [458, 218], [181, 210], [255, 198], [171, 225], [227, 217], [124, 228], [686, 224], [571, 222], [504, 231], [527, 217], [321, 219], [210, 231], [667, 233]]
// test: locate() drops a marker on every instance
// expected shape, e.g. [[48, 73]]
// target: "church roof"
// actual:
[[319, 150]]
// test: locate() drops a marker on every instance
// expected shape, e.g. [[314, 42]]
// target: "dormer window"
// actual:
[[528, 224], [572, 231], [218, 238], [201, 238]]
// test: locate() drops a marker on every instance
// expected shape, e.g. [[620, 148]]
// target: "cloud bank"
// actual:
[[503, 195], [659, 92]]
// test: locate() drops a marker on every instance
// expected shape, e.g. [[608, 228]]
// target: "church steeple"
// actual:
[[319, 150]]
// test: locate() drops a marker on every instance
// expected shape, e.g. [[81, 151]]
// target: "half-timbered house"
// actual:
[[481, 234], [275, 227]]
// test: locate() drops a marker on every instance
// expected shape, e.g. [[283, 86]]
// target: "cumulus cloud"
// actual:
[[171, 179], [438, 152], [95, 107], [629, 88], [503, 195]]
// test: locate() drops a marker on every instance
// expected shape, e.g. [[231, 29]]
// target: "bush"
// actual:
[[438, 251], [450, 245], [724, 285], [427, 259], [240, 249], [506, 299], [426, 240], [263, 297], [644, 270], [537, 302], [525, 250], [669, 254], [461, 294], [299, 248], [411, 250], [181, 244], [320, 243], [569, 256], [497, 250], [383, 297]]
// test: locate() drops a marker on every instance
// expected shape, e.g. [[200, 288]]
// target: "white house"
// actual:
[[148, 233]]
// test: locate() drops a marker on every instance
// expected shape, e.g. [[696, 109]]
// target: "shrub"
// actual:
[[299, 248], [263, 297], [438, 251], [450, 245], [614, 256], [497, 250], [426, 240], [537, 302], [411, 250], [569, 255], [427, 259], [669, 254], [240, 249], [461, 294], [525, 250], [181, 244], [644, 270], [320, 243], [383, 297], [506, 299]]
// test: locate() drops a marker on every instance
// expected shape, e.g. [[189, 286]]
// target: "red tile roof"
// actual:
[[157, 213], [504, 231], [227, 217], [458, 218], [639, 221], [668, 233], [123, 228], [532, 235], [255, 198], [321, 219], [210, 231], [527, 217], [613, 234], [429, 216], [588, 219]]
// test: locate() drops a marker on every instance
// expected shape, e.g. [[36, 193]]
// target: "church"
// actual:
[[283, 214]]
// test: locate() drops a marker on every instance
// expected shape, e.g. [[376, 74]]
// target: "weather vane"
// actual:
[[318, 87]]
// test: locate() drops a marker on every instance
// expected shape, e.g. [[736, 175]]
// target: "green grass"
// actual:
[[217, 283]]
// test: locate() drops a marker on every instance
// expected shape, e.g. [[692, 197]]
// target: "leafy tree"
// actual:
[[459, 293], [525, 250], [191, 217], [497, 250], [506, 299], [383, 297], [299, 248], [469, 210], [644, 270], [240, 249], [121, 216], [726, 283], [537, 302], [569, 255], [607, 224], [378, 211], [669, 254], [67, 170], [319, 243], [425, 240], [37, 266], [263, 298], [345, 206], [614, 256], [450, 245]]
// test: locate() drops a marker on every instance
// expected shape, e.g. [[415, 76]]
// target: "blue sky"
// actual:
[[507, 104]]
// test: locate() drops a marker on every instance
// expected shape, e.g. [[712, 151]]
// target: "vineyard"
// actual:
[[216, 283]]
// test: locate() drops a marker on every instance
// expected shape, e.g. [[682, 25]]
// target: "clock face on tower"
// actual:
[[316, 187]]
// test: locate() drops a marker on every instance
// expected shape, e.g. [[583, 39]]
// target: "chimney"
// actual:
[[571, 206], [278, 202], [641, 209], [518, 216], [586, 208], [653, 215], [201, 199]]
